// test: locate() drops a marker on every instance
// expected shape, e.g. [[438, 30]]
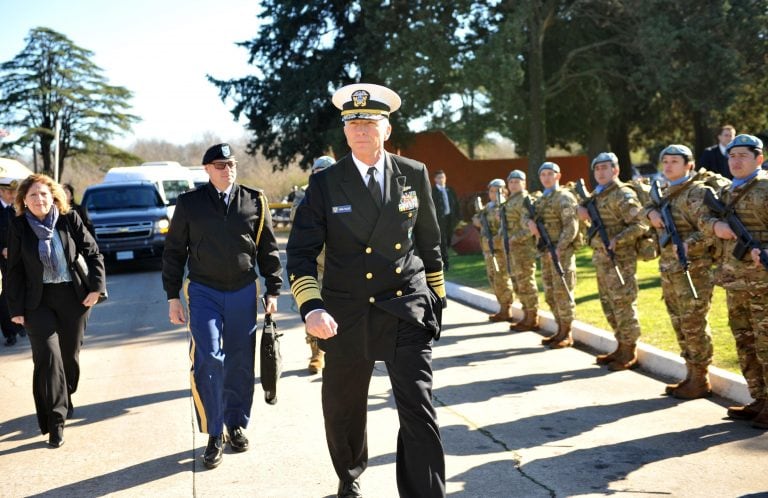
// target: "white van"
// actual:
[[170, 178]]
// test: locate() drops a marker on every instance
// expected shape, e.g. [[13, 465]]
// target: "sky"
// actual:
[[160, 50]]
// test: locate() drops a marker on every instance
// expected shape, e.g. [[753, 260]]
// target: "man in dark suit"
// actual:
[[448, 212], [222, 232], [7, 212], [715, 158], [382, 296]]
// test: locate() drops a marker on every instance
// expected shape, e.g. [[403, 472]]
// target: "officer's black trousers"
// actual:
[[55, 330], [420, 458]]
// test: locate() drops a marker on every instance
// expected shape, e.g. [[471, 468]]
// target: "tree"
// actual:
[[53, 80], [307, 49]]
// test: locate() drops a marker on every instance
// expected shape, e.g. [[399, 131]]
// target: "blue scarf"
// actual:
[[44, 232]]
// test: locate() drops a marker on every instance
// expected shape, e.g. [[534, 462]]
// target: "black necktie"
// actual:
[[373, 186], [223, 199]]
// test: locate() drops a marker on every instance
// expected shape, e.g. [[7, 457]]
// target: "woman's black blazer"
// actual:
[[25, 271]]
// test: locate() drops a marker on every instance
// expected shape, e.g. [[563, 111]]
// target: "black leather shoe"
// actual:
[[56, 437], [237, 440], [10, 341], [214, 451], [349, 489]]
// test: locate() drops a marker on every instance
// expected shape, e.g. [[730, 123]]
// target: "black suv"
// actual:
[[130, 220]]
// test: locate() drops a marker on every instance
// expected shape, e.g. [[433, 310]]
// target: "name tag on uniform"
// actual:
[[347, 208], [408, 201]]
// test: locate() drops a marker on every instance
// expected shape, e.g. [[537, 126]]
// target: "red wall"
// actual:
[[468, 176]]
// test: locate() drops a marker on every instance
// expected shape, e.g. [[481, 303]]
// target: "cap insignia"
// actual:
[[360, 98]]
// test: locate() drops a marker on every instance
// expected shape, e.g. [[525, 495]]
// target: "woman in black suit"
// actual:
[[47, 296]]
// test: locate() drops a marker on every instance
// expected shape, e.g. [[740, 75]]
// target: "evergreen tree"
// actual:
[[53, 80]]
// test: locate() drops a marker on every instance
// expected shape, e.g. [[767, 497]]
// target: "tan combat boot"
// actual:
[[563, 337], [626, 357], [504, 314], [530, 321], [671, 387], [747, 412], [697, 385], [604, 359], [317, 362], [761, 420]]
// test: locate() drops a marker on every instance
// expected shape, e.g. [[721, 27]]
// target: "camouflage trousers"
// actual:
[[524, 277], [499, 280], [748, 318], [556, 294], [689, 315], [619, 302]]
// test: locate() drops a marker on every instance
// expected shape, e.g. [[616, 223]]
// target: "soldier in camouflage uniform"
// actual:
[[495, 260], [618, 208], [557, 209], [522, 252], [688, 314], [746, 280], [317, 360]]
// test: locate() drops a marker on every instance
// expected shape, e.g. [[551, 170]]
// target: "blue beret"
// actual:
[[516, 174], [497, 182], [745, 140], [604, 157], [549, 165], [322, 162], [676, 150]]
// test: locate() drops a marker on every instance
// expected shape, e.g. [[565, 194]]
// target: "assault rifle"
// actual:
[[597, 226], [486, 230], [545, 242], [504, 230], [670, 233], [745, 242]]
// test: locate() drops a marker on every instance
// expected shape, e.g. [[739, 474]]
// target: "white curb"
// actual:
[[651, 359]]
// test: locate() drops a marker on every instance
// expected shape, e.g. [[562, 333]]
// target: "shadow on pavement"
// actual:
[[594, 469], [127, 478], [26, 427]]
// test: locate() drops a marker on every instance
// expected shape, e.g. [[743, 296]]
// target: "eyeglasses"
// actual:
[[220, 165]]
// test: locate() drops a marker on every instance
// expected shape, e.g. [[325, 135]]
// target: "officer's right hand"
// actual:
[[176, 312], [321, 325]]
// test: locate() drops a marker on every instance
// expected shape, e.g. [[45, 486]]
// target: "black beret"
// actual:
[[218, 151]]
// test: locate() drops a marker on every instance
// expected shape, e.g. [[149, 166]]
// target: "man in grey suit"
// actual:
[[382, 295]]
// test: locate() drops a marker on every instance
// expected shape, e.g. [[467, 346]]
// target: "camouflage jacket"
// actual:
[[558, 212], [619, 208], [749, 203], [686, 202]]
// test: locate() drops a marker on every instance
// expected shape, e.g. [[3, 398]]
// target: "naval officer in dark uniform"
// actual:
[[223, 232], [382, 296]]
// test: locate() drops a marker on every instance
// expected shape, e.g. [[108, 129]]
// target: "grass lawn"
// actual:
[[656, 328]]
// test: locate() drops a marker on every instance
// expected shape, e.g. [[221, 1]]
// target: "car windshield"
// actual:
[[174, 188], [122, 198]]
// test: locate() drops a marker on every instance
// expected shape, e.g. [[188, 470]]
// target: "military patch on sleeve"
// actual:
[[633, 212], [569, 212]]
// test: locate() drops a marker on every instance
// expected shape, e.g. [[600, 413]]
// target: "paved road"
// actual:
[[517, 421]]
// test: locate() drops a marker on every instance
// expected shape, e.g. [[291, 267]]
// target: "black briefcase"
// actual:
[[271, 360]]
